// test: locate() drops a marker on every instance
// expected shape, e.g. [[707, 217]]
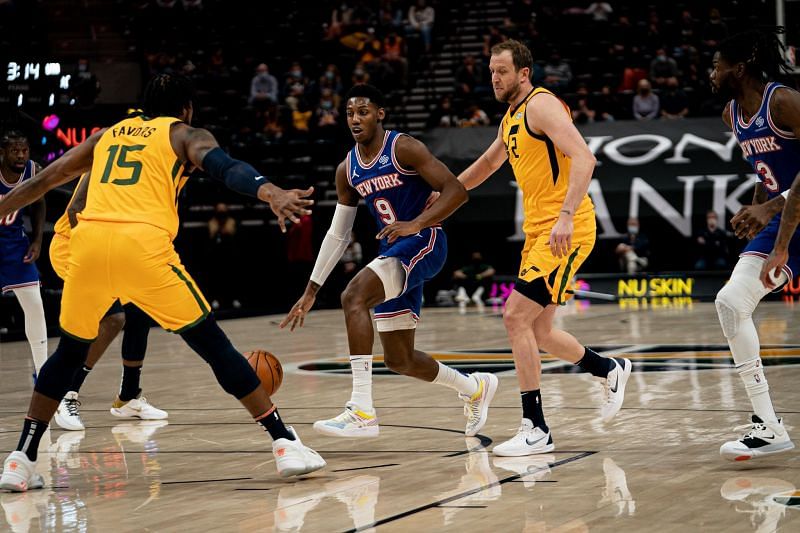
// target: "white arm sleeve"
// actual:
[[335, 242]]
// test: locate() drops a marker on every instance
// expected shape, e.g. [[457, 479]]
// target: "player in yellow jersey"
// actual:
[[129, 402], [553, 168], [122, 249]]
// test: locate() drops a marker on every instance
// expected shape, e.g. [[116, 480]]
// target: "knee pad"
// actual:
[[137, 329], [752, 374], [231, 369], [55, 377], [737, 300], [391, 273]]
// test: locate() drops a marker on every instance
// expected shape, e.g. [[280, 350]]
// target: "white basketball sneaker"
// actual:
[[137, 408], [529, 440], [353, 422], [293, 458], [763, 439], [476, 407], [19, 473], [67, 415], [614, 386]]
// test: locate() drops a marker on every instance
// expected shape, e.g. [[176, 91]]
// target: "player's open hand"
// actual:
[[298, 313], [291, 204], [33, 252], [750, 220], [772, 268], [561, 236], [396, 230]]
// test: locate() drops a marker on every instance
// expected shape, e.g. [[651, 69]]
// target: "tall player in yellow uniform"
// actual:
[[129, 402], [122, 249], [553, 168]]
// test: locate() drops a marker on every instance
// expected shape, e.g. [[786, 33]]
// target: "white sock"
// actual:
[[361, 366], [30, 299], [450, 377], [757, 387]]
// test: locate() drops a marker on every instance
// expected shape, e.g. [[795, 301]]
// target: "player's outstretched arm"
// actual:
[[550, 117], [330, 252], [72, 164], [201, 148], [413, 154], [483, 167], [784, 104]]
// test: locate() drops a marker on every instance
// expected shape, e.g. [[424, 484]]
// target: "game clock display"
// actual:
[[34, 83]]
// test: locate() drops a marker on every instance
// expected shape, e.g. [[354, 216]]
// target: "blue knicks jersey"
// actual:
[[391, 192], [11, 225], [773, 152]]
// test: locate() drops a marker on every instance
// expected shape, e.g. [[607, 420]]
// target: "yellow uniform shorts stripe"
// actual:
[[539, 262], [132, 262]]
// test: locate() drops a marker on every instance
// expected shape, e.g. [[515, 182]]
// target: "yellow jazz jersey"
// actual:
[[62, 226], [136, 176], [541, 170]]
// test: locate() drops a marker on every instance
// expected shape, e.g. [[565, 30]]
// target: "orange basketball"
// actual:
[[268, 369]]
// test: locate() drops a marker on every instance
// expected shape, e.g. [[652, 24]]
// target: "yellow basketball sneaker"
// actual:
[[353, 423]]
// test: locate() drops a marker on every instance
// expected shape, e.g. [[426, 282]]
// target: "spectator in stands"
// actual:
[[421, 17], [263, 87], [474, 116], [222, 249], [688, 27], [645, 103], [713, 245], [331, 79], [579, 104], [599, 11], [327, 116], [634, 250], [444, 116], [495, 36], [360, 74], [294, 78], [274, 125], [390, 16], [674, 101], [473, 280], [394, 54], [340, 20], [662, 68], [557, 74], [606, 106], [715, 29], [470, 78]]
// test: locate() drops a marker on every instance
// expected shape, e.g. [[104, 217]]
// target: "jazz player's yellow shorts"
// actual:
[[539, 262], [131, 262], [59, 254]]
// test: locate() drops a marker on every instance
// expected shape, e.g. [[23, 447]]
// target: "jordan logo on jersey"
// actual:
[[759, 145], [379, 183]]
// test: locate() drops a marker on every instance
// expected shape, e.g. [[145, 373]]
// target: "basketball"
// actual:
[[268, 369]]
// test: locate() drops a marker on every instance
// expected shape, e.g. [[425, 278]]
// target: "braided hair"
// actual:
[[167, 95], [760, 50]]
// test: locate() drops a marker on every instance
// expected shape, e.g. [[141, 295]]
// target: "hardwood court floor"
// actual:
[[654, 468]]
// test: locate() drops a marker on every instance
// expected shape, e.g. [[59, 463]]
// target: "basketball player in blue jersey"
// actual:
[[765, 118], [18, 255], [394, 174]]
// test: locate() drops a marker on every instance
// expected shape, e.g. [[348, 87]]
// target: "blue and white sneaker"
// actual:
[[353, 423]]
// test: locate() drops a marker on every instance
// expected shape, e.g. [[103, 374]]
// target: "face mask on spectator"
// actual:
[[297, 73], [326, 104], [330, 75], [633, 230]]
